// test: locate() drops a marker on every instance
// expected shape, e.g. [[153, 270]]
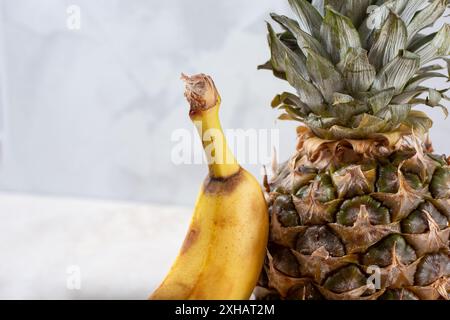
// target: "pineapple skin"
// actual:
[[362, 209], [339, 217]]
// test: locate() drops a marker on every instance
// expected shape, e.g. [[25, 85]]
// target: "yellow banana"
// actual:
[[223, 252]]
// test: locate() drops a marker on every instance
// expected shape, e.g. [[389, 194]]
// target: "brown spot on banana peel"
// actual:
[[223, 222], [213, 186], [191, 238]]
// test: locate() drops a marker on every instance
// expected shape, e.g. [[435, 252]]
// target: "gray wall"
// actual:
[[91, 112]]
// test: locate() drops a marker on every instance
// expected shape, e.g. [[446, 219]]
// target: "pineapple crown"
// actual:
[[358, 66]]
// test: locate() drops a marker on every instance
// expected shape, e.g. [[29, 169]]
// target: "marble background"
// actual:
[[91, 112]]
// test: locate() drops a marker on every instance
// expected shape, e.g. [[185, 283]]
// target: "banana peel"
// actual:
[[224, 249]]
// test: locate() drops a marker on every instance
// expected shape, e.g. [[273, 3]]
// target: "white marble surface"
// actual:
[[90, 113], [122, 250]]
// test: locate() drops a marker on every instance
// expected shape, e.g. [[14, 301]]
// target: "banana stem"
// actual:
[[204, 100]]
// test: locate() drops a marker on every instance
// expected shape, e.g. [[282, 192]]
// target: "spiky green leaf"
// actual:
[[420, 40], [296, 114], [346, 110], [373, 22], [319, 5], [337, 5], [268, 66], [307, 92], [448, 67], [356, 10], [433, 67], [304, 41], [437, 48], [326, 78], [291, 99], [418, 121], [341, 98], [287, 99], [358, 73], [397, 6], [433, 100], [380, 100], [415, 82], [395, 114], [397, 72], [410, 9], [279, 52], [290, 41], [308, 17], [365, 125], [426, 17], [288, 117], [390, 41], [320, 125], [338, 34], [434, 97], [407, 96], [265, 66], [406, 9]]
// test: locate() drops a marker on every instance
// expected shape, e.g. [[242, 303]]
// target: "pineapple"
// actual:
[[362, 208]]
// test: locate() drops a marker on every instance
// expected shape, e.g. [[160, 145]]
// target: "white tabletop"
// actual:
[[113, 250]]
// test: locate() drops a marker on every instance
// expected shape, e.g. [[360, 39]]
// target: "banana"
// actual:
[[224, 249]]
